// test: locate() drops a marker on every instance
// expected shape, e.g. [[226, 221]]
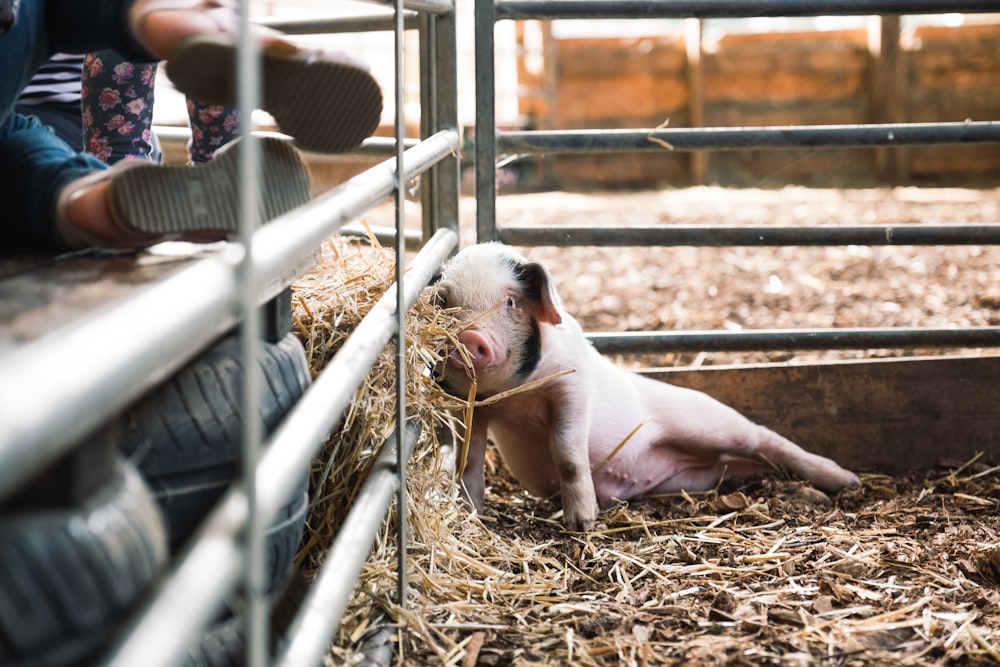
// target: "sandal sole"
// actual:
[[328, 106], [203, 201]]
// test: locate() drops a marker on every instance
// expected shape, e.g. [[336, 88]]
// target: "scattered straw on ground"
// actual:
[[902, 571]]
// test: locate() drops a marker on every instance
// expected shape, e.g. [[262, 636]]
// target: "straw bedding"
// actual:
[[904, 570]]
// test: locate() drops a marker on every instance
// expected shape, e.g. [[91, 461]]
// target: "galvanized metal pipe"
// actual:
[[706, 9], [254, 575], [291, 239], [319, 616], [402, 453], [341, 24], [858, 338], [727, 235], [59, 389], [485, 147], [422, 6], [383, 147], [746, 138], [440, 186]]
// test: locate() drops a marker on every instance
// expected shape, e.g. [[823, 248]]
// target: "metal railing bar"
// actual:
[[321, 611], [742, 138], [637, 9], [485, 146], [341, 24], [402, 452], [373, 146], [183, 601], [152, 333], [855, 338], [726, 235], [385, 235], [245, 302], [289, 239], [429, 6], [440, 186], [175, 619], [383, 146]]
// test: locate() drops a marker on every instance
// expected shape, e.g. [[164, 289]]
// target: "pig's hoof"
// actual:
[[579, 523], [580, 526], [848, 479], [844, 479]]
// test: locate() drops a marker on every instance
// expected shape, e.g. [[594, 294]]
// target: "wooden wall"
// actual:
[[942, 74], [953, 74]]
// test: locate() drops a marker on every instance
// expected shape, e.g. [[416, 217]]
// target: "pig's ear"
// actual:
[[539, 291]]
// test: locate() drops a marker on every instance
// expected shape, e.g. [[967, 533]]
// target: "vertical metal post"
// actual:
[[486, 126], [440, 186], [248, 94], [427, 30], [400, 128]]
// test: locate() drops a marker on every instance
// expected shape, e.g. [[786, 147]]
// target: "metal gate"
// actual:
[[154, 332], [497, 144], [215, 293]]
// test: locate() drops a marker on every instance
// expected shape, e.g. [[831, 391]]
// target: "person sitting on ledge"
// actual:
[[57, 198]]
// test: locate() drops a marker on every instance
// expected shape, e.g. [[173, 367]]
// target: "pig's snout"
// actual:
[[479, 350]]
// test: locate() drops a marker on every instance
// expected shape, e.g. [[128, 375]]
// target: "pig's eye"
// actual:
[[511, 303]]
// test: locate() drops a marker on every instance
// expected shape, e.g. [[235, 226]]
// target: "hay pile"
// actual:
[[327, 305]]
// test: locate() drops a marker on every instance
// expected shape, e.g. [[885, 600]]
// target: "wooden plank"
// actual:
[[889, 97], [696, 95], [40, 295], [888, 415]]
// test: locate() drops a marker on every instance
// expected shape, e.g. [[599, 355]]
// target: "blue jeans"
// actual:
[[35, 165]]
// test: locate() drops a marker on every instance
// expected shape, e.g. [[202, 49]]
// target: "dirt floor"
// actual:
[[903, 571]]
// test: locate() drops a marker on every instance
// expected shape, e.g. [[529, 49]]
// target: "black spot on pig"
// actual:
[[531, 351]]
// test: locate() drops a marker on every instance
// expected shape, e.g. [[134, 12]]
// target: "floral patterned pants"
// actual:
[[117, 104]]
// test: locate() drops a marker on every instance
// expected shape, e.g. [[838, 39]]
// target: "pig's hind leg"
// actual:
[[822, 472], [702, 428]]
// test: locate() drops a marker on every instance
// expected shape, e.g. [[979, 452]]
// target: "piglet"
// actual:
[[565, 434]]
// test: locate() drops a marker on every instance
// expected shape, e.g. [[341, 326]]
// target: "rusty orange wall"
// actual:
[[621, 83], [789, 79], [776, 79], [953, 75]]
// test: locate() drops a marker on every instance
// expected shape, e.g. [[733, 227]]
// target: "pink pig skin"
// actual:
[[558, 437]]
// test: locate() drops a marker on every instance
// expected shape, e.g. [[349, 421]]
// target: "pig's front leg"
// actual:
[[571, 454], [474, 474]]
